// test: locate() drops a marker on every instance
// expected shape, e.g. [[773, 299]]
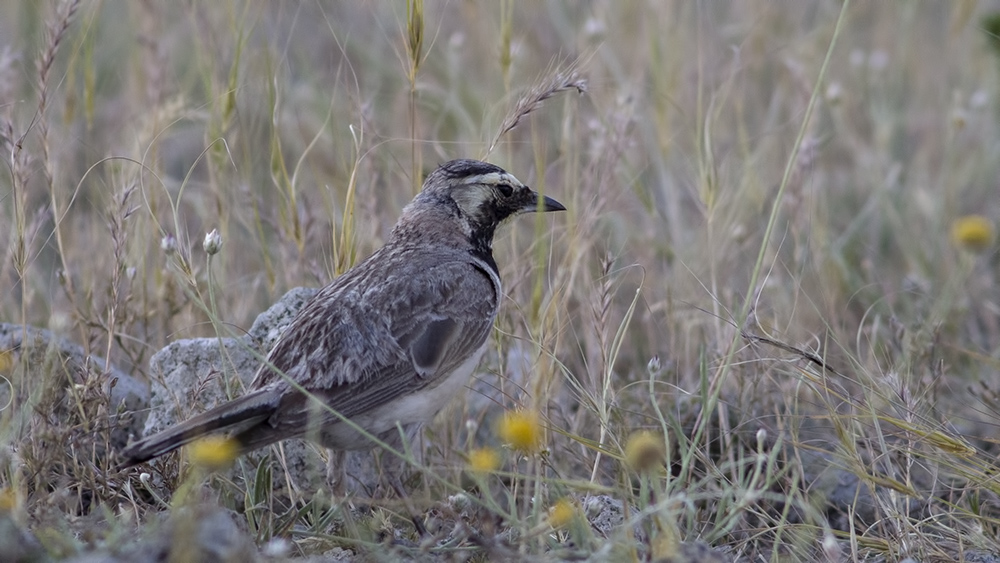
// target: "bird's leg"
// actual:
[[403, 439], [393, 478], [336, 473]]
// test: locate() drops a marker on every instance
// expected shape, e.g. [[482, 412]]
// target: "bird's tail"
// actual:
[[233, 417]]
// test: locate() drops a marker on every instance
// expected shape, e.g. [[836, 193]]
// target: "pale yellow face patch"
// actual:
[[474, 191], [492, 179], [470, 197]]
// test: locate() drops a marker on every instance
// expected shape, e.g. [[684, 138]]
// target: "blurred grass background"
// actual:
[[299, 130]]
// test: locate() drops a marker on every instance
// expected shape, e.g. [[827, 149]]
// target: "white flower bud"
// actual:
[[213, 242], [168, 244], [653, 367]]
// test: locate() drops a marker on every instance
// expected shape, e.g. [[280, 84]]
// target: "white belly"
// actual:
[[415, 408]]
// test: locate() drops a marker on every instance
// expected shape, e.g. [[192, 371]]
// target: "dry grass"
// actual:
[[757, 268]]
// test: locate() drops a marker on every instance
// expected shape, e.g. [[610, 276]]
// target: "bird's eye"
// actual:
[[505, 190]]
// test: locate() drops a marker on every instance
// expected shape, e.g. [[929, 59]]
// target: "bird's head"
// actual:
[[485, 196]]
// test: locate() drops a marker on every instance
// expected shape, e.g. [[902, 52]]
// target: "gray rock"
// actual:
[[606, 515], [189, 376], [192, 376], [43, 359], [17, 544], [979, 556], [209, 533], [270, 324], [96, 557]]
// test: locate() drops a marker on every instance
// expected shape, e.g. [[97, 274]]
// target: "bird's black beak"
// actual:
[[549, 204], [544, 204]]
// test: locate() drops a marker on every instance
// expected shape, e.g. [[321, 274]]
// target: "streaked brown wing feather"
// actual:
[[436, 317]]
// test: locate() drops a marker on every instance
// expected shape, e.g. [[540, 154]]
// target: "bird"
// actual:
[[388, 343]]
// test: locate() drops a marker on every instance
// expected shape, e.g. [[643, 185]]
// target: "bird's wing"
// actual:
[[365, 348]]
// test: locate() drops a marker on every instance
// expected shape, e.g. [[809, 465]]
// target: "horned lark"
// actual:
[[390, 341]]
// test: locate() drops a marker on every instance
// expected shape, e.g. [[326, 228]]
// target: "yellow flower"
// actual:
[[973, 233], [521, 430], [214, 452], [6, 361], [645, 451], [8, 500], [562, 513], [484, 460]]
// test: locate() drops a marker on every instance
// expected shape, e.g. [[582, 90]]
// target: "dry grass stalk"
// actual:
[[55, 33], [561, 81]]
